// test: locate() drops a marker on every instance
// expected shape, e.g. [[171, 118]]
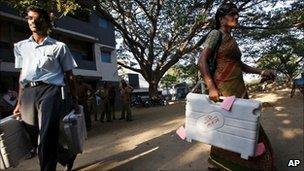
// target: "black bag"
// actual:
[[212, 59]]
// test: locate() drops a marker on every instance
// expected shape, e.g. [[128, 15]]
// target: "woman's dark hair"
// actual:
[[123, 83], [223, 10], [42, 13]]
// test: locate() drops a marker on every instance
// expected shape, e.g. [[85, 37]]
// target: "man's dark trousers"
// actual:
[[40, 106]]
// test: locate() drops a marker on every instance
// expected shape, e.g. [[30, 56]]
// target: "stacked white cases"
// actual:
[[75, 130], [235, 130], [14, 142]]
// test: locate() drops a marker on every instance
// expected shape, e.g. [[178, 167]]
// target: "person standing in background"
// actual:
[[103, 94], [98, 103], [82, 89], [125, 91], [91, 103], [112, 95]]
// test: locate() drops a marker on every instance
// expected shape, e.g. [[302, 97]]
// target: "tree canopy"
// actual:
[[286, 56], [59, 8], [157, 34]]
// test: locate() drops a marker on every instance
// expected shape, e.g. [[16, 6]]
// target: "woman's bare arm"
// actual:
[[266, 74], [251, 70], [204, 68]]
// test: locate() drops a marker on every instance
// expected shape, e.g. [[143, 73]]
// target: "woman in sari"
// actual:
[[227, 80]]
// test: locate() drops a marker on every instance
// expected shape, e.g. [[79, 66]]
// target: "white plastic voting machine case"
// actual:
[[75, 130], [14, 142], [235, 130]]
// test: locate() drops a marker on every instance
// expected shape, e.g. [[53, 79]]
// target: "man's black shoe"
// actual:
[[70, 163], [122, 118], [31, 154]]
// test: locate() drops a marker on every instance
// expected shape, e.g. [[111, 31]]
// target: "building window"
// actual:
[[6, 51], [78, 55], [4, 32], [81, 50], [105, 56], [103, 23]]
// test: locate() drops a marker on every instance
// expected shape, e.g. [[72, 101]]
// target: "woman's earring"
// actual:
[[221, 21]]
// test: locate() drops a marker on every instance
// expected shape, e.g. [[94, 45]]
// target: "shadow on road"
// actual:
[[164, 152]]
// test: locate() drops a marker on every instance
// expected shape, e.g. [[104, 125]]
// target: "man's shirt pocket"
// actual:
[[49, 63]]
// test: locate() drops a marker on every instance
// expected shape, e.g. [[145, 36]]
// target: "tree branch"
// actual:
[[265, 28], [244, 8], [109, 17], [142, 6], [138, 55], [175, 58], [153, 33], [243, 4], [198, 44], [300, 60], [129, 67]]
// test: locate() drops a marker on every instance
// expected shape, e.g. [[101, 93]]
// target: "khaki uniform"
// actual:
[[126, 99], [103, 93]]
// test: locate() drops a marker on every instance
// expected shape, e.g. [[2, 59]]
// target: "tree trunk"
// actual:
[[153, 81], [289, 81], [153, 91]]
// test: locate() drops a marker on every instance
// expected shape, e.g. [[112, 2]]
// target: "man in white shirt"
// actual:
[[44, 63]]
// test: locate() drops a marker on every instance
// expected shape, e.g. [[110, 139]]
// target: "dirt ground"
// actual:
[[150, 143]]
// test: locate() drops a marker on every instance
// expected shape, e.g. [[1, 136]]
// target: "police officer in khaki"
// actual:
[[44, 62], [103, 93], [126, 91]]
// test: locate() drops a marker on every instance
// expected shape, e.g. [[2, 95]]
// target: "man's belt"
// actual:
[[35, 84]]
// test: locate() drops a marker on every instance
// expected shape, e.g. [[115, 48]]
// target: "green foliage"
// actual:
[[286, 57], [158, 34], [185, 71], [188, 69], [161, 33], [168, 80], [58, 7]]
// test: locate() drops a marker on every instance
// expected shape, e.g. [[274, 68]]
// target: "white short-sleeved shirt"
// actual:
[[45, 62]]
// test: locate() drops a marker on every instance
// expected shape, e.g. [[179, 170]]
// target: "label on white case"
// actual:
[[210, 121]]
